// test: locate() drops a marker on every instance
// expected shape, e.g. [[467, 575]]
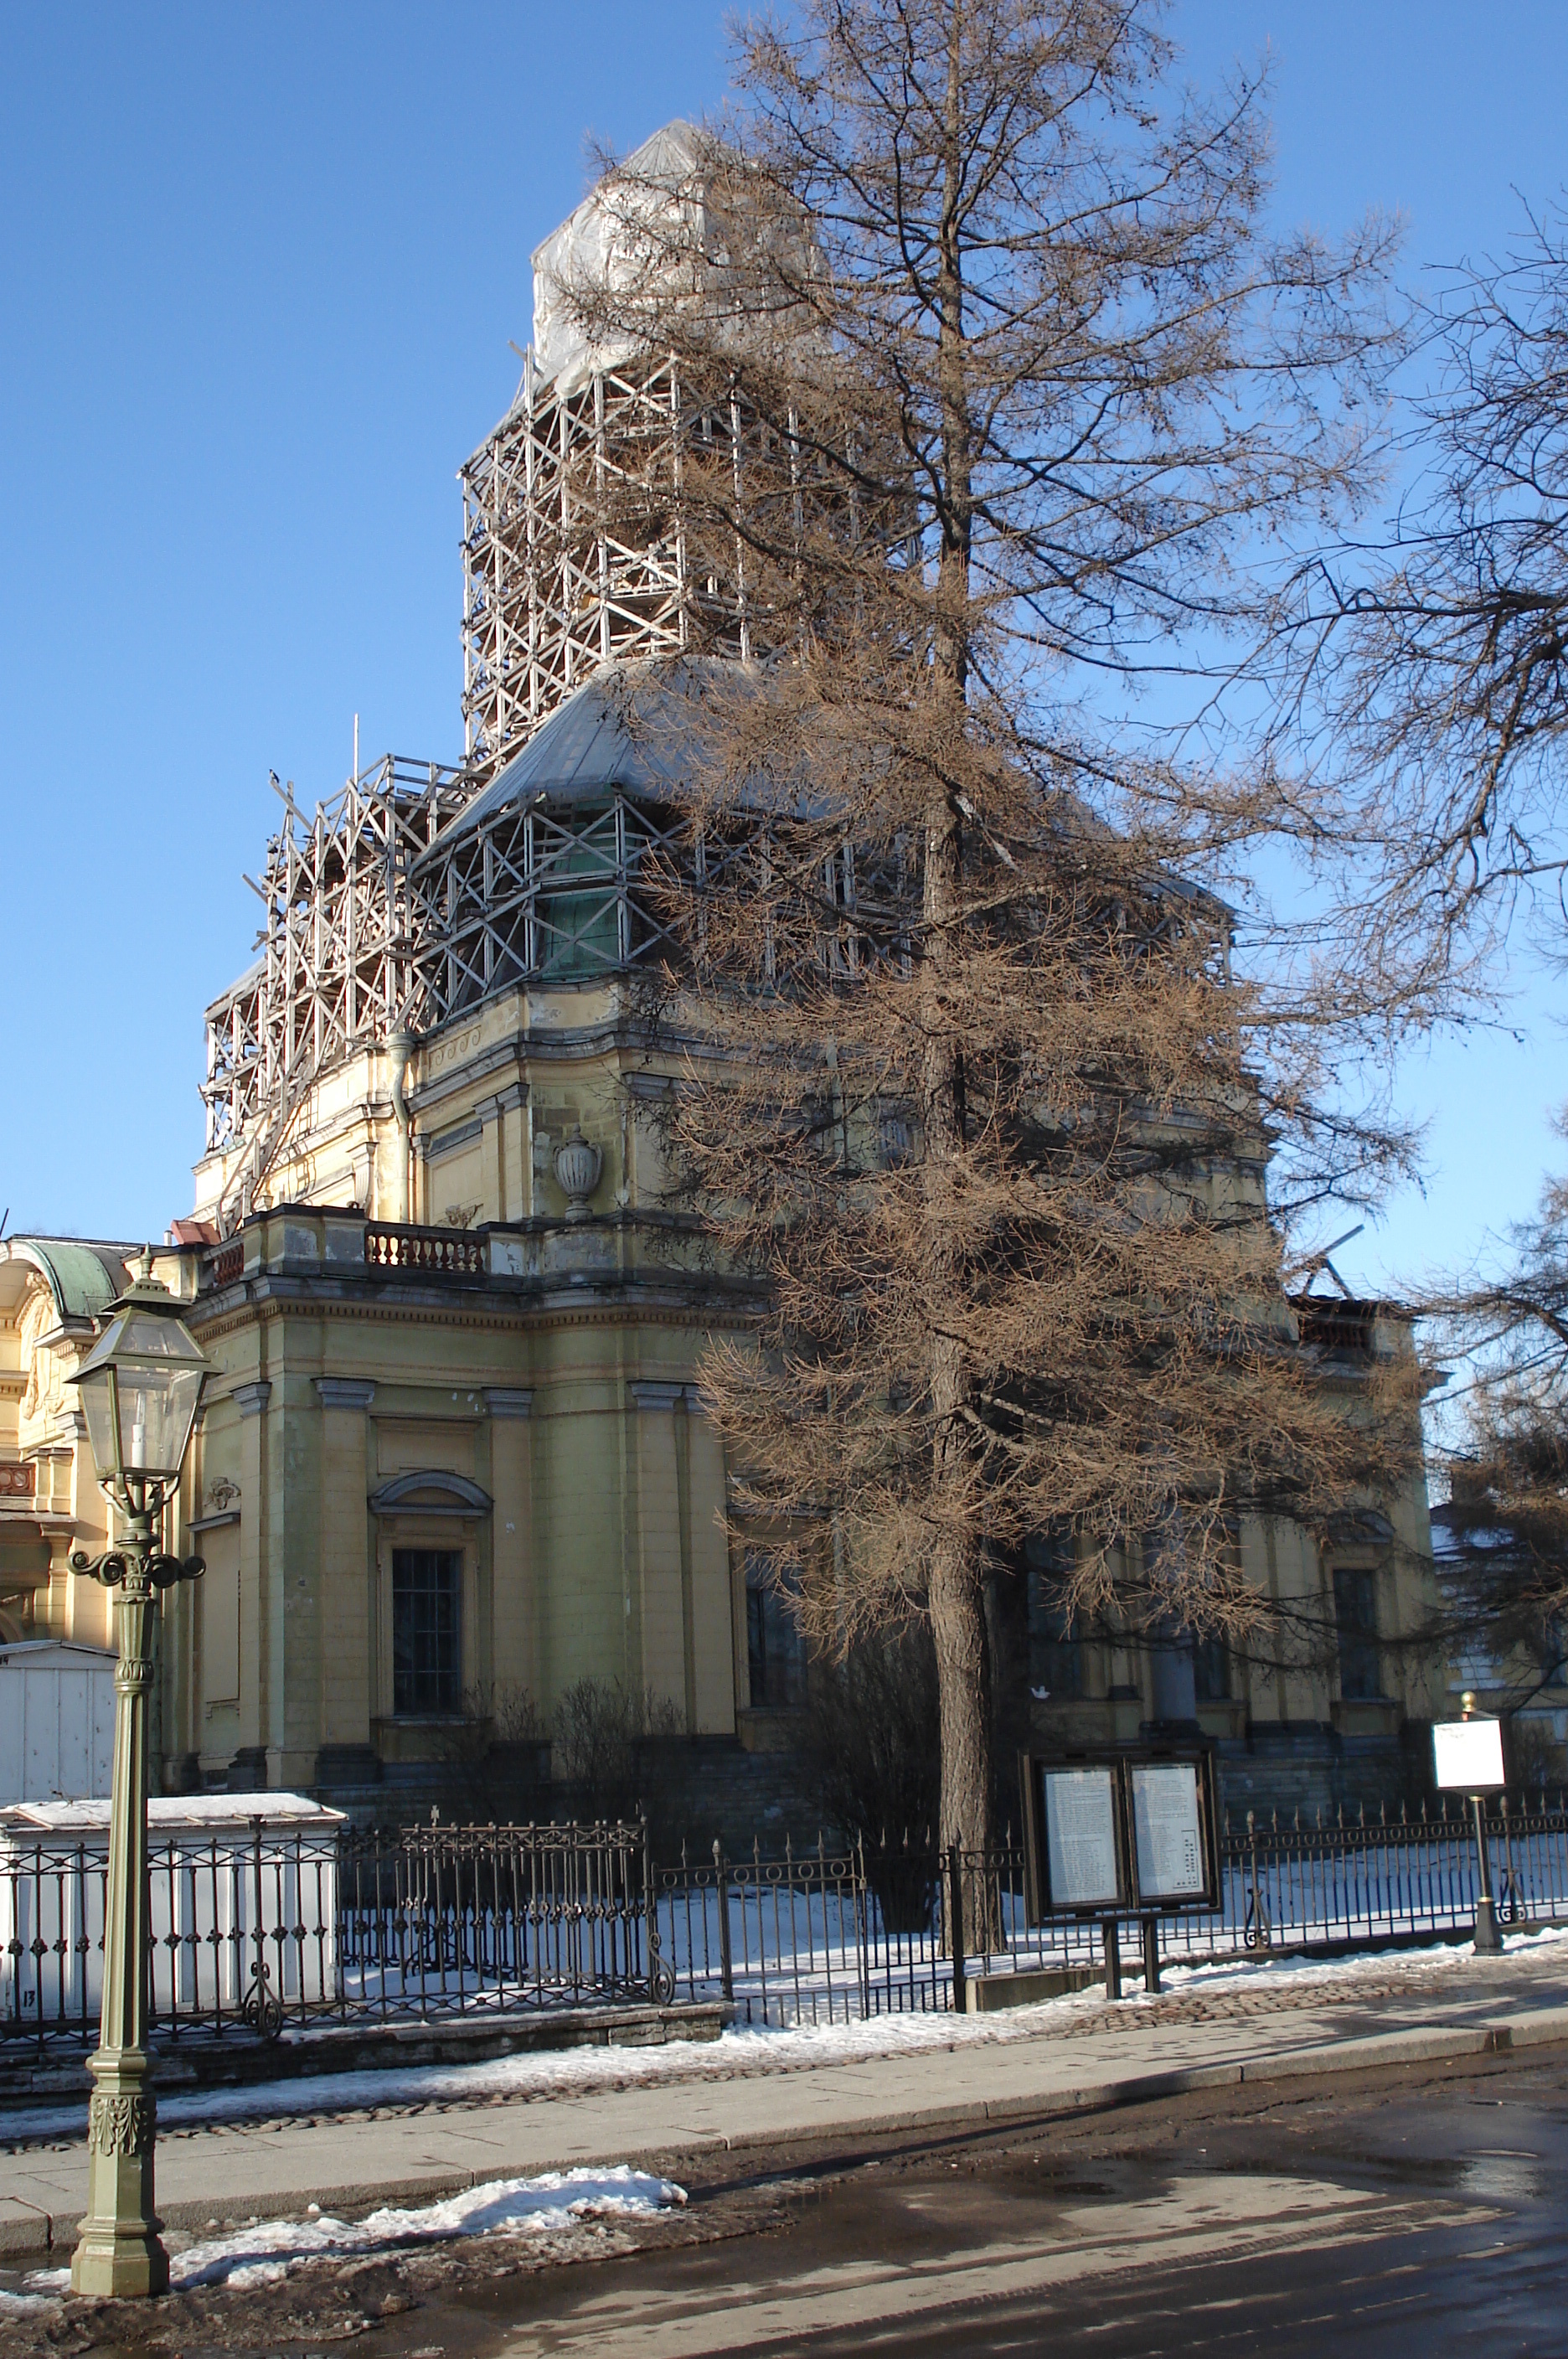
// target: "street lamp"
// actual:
[[140, 1388]]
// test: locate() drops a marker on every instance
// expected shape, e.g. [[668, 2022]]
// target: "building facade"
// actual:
[[452, 1462]]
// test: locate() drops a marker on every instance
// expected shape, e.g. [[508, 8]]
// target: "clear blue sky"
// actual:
[[259, 269]]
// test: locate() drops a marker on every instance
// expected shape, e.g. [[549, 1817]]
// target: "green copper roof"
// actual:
[[83, 1278]]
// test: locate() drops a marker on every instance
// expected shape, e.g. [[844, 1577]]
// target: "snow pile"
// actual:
[[501, 2207], [263, 2254]]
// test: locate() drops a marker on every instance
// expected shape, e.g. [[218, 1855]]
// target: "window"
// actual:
[[577, 924], [1355, 1620], [1211, 1670], [776, 1653], [427, 1649], [1055, 1648]]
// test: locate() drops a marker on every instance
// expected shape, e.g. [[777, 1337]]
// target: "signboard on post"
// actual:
[[1468, 1755], [1126, 1831]]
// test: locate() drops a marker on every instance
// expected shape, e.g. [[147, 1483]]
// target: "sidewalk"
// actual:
[[434, 2133]]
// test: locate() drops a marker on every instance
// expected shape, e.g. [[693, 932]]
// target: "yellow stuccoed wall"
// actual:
[[599, 1553], [536, 1411]]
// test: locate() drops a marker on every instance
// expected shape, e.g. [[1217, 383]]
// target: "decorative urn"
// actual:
[[577, 1167]]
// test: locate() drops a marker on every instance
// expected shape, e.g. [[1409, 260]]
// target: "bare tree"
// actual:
[[1424, 678], [609, 1740], [1425, 673], [993, 375], [870, 1746], [1506, 1446]]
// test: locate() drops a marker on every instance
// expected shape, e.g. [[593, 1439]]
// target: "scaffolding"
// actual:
[[574, 550], [338, 966], [575, 555]]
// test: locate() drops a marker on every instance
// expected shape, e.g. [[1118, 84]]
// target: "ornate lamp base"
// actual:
[[119, 2250]]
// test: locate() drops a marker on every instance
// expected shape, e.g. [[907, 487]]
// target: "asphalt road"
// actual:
[[1419, 2211], [1406, 2217]]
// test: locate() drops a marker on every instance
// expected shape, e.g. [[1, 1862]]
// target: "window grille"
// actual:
[[427, 1635], [775, 1652], [1356, 1620]]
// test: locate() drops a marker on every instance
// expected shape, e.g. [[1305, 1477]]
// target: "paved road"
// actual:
[[1418, 2220]]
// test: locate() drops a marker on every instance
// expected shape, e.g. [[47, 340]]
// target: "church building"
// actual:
[[452, 1459]]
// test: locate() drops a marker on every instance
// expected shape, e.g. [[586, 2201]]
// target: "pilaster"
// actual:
[[251, 1400], [714, 1632], [345, 1566], [514, 1589], [663, 1559]]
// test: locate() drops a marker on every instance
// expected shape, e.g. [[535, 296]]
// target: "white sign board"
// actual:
[[1468, 1754], [1081, 1837], [1168, 1830]]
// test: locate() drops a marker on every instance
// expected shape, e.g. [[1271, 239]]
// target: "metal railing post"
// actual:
[[1487, 1937], [726, 1957], [1110, 1941], [956, 1928]]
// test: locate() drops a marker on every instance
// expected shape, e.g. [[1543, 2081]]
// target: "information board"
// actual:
[[1468, 1754], [1168, 1830], [1082, 1860]]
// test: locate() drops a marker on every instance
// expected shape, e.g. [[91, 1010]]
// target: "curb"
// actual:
[[27, 2230]]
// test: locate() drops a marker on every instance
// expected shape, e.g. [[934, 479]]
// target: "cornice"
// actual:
[[522, 1321], [479, 1067]]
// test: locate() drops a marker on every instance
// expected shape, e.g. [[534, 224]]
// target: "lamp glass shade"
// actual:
[[140, 1388]]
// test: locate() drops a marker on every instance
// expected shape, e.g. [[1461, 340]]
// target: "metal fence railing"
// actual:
[[265, 1930], [272, 1928], [824, 1936]]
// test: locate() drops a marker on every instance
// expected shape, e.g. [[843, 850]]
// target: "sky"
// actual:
[[261, 269]]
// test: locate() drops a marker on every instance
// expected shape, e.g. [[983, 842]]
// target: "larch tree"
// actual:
[[992, 381]]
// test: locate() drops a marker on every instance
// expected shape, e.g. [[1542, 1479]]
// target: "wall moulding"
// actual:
[[645, 1394], [433, 1491], [507, 1401]]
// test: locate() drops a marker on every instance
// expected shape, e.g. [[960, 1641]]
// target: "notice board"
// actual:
[[1127, 1832], [1083, 1845], [1168, 1830]]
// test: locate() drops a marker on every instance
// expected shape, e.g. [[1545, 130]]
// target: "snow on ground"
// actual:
[[742, 2051], [554, 2202]]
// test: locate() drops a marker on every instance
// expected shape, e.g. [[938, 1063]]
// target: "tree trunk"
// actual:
[[957, 1604], [957, 1600]]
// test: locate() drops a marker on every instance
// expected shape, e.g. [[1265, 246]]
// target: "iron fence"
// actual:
[[272, 1929], [831, 1936]]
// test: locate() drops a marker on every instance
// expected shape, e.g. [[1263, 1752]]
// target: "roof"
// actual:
[[622, 728], [54, 1654], [245, 981], [85, 1275], [590, 248], [169, 1810]]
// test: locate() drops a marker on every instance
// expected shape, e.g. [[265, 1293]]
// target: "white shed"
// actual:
[[236, 1881], [56, 1721]]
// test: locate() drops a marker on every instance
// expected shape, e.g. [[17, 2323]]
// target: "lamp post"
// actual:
[[140, 1386]]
